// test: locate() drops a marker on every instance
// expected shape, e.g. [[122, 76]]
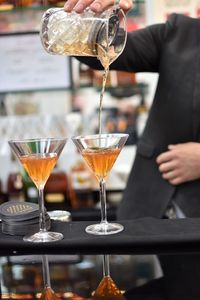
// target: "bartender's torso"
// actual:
[[174, 117]]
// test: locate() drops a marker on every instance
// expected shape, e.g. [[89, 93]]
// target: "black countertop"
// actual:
[[140, 236]]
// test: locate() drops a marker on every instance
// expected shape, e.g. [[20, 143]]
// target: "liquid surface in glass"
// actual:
[[39, 166], [100, 160]]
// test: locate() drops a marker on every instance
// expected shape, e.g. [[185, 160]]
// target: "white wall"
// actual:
[[158, 10]]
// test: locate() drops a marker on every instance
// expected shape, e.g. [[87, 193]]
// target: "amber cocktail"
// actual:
[[38, 157], [100, 160], [100, 152]]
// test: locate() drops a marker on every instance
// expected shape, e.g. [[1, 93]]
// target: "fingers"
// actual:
[[101, 5], [126, 5], [176, 181], [77, 5], [169, 172], [96, 5], [166, 166], [171, 147], [180, 163], [164, 157], [173, 177], [69, 5], [169, 175]]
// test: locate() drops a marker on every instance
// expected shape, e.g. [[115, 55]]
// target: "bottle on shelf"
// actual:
[[3, 195], [15, 186], [55, 191], [80, 190], [30, 190]]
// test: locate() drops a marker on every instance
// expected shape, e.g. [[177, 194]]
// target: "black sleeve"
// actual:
[[142, 51]]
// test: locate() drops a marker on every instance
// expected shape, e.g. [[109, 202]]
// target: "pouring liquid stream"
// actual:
[[105, 76], [106, 58]]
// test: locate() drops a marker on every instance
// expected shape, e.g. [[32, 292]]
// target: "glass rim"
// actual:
[[99, 136], [36, 140]]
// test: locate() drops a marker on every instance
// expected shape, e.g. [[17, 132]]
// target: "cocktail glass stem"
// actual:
[[106, 265], [42, 222], [45, 269], [48, 292], [102, 193]]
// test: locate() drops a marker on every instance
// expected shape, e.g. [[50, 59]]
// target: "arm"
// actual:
[[181, 163], [142, 51], [143, 47]]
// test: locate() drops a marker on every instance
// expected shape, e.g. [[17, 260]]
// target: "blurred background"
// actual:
[[53, 96]]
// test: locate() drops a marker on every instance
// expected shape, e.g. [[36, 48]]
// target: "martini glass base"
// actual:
[[47, 236], [104, 228]]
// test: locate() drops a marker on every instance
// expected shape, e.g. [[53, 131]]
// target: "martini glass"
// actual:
[[38, 157], [107, 289], [48, 293], [100, 152]]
